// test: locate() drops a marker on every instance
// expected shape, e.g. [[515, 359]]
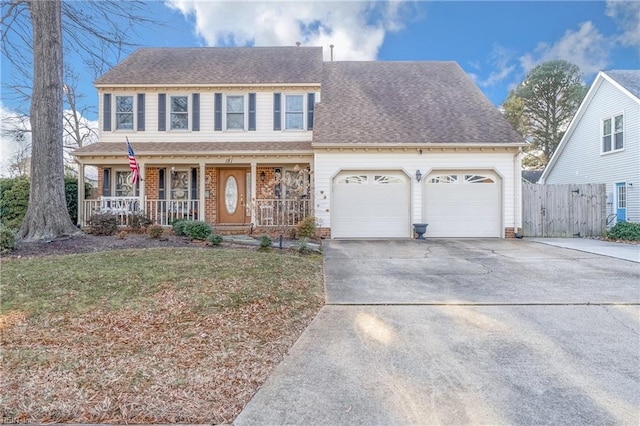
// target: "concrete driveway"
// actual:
[[463, 331]]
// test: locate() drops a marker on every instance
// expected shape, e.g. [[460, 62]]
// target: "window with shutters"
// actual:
[[124, 112], [613, 133], [179, 112]]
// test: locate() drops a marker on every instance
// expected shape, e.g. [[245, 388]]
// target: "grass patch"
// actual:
[[148, 336]]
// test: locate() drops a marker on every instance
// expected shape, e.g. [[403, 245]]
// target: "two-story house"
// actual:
[[602, 144], [263, 136]]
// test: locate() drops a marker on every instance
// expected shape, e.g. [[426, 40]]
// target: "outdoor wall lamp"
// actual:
[[262, 176], [418, 175]]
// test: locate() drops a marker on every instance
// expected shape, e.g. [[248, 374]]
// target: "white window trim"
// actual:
[[168, 112], [612, 117], [169, 181], [304, 112], [114, 112], [245, 127]]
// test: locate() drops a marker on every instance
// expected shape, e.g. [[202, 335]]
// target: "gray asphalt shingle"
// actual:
[[405, 102], [191, 148], [629, 79], [218, 65]]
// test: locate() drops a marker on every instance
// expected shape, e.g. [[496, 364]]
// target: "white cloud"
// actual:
[[356, 28], [627, 16], [502, 61], [587, 48]]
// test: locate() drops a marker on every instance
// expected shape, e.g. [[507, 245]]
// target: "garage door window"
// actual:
[[444, 179], [353, 180], [386, 179], [478, 179]]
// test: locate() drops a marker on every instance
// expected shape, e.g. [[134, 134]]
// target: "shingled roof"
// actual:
[[217, 65], [629, 79], [369, 103], [193, 148]]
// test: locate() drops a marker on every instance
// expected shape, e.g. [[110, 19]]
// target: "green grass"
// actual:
[[116, 279]]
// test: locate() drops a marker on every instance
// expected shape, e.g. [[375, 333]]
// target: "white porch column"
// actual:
[[81, 193], [254, 190], [201, 193], [142, 178]]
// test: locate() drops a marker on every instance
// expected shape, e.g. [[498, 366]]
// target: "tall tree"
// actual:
[[542, 107], [33, 32], [47, 216]]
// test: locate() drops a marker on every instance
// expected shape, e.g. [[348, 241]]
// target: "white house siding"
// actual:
[[264, 117], [327, 164], [581, 160]]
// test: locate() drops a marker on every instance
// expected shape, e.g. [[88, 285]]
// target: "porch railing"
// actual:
[[268, 212], [276, 212]]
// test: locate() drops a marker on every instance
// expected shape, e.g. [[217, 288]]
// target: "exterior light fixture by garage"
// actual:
[[418, 175]]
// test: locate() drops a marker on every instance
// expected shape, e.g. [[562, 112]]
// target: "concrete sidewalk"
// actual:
[[605, 248]]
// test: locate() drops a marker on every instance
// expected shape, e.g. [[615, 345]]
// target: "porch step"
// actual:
[[232, 229]]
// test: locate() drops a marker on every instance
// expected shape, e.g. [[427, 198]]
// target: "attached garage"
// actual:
[[370, 204], [463, 204]]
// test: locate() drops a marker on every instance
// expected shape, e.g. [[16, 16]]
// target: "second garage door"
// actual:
[[366, 204], [462, 204]]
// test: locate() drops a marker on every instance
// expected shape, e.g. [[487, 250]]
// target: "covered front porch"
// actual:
[[258, 189]]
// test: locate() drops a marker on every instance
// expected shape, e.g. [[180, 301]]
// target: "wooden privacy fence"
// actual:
[[564, 210]]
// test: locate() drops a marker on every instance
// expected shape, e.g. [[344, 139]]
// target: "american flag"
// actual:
[[132, 163]]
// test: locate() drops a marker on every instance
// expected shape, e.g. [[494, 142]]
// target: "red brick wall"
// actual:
[[510, 232], [151, 183]]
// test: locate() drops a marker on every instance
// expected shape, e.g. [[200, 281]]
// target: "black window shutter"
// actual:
[[252, 111], [311, 102], [277, 107], [195, 123], [161, 180], [162, 112], [217, 107], [106, 112], [194, 183], [106, 182], [140, 112]]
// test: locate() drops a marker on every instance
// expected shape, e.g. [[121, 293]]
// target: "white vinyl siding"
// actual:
[[264, 119], [582, 159], [327, 165]]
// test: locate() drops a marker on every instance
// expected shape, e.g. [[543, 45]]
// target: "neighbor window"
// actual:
[[612, 133], [179, 112], [124, 112], [235, 112], [294, 112]]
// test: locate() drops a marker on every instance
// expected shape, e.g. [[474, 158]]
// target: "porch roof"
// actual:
[[194, 148]]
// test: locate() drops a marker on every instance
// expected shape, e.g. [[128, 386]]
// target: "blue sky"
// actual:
[[496, 43]]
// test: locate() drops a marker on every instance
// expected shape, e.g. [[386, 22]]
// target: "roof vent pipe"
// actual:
[[331, 47], [298, 43]]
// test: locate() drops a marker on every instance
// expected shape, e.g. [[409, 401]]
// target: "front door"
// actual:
[[621, 202], [232, 202]]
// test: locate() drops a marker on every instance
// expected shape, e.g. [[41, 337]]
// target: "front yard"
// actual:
[[157, 335]]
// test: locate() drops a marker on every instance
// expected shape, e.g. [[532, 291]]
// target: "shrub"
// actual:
[[215, 239], [122, 235], [197, 230], [303, 246], [179, 226], [7, 239], [71, 195], [155, 231], [625, 231], [14, 200], [139, 220], [307, 227], [265, 242], [103, 224]]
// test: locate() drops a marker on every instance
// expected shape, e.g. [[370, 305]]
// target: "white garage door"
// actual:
[[368, 204], [462, 204]]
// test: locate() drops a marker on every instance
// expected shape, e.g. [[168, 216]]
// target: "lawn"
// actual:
[[159, 335]]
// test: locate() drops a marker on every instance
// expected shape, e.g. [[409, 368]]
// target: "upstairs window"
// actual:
[[124, 112], [612, 133], [235, 112], [179, 112], [294, 112]]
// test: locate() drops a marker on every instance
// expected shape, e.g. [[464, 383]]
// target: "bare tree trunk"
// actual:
[[47, 216]]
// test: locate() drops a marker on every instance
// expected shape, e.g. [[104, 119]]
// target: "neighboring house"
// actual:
[[232, 135], [531, 176], [602, 144]]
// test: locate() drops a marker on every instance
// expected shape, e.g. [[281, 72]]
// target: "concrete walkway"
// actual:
[[605, 248], [463, 332]]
